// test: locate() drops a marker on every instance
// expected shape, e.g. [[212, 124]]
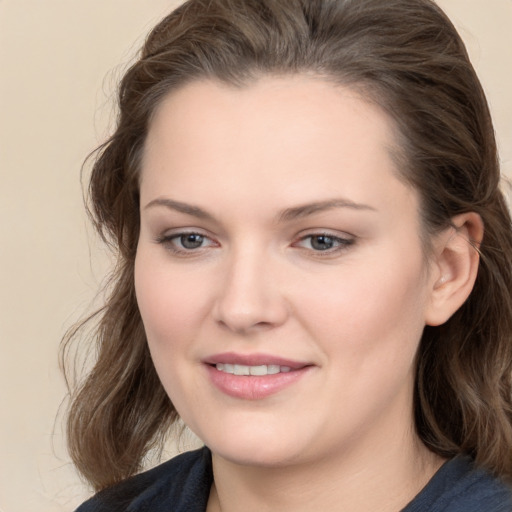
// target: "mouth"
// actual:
[[254, 377], [260, 370], [227, 362]]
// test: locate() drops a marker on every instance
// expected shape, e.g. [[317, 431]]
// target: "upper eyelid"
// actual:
[[170, 234], [328, 235], [173, 232], [333, 233]]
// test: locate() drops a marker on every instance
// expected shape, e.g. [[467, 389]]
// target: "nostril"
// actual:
[[248, 305]]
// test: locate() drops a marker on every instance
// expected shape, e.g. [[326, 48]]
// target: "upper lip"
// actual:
[[254, 360]]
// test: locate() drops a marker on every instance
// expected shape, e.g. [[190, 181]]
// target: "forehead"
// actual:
[[291, 139]]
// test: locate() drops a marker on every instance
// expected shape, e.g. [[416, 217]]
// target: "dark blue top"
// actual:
[[183, 483]]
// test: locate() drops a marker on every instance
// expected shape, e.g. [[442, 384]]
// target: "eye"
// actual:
[[324, 242], [182, 243], [190, 240]]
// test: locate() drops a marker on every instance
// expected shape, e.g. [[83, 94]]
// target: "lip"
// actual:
[[254, 387], [254, 360]]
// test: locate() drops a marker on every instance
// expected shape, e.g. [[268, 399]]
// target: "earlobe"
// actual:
[[455, 267]]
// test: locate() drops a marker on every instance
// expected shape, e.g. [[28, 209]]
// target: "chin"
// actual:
[[255, 456], [263, 449]]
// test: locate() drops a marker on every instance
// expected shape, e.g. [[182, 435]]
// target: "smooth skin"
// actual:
[[273, 221]]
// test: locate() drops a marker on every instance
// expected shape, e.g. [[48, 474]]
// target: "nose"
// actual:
[[250, 298]]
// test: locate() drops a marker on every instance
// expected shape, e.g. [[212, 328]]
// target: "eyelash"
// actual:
[[341, 244], [168, 241]]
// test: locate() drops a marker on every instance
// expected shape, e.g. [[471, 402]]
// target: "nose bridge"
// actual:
[[249, 296]]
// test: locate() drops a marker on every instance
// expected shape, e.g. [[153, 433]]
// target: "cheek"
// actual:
[[378, 309], [170, 302]]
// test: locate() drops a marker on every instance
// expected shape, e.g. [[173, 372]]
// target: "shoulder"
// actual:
[[183, 482], [461, 487]]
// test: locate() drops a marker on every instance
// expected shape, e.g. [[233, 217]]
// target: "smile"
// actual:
[[260, 370], [254, 376]]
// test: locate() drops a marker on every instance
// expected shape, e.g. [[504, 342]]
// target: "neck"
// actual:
[[385, 480]]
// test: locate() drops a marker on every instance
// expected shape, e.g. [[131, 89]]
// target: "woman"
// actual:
[[314, 267]]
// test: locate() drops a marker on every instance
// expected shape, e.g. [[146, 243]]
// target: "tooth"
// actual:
[[258, 370], [241, 369], [272, 369]]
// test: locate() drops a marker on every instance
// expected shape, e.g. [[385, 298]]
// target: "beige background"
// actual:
[[59, 63]]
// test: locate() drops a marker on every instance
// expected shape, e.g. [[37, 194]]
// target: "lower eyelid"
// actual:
[[169, 242], [341, 241]]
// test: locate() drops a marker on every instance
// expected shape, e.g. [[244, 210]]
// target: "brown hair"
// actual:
[[404, 55]]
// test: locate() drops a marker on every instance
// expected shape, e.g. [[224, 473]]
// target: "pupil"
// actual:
[[322, 242], [191, 241]]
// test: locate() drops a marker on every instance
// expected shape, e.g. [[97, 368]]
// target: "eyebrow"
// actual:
[[298, 212], [286, 215], [188, 209]]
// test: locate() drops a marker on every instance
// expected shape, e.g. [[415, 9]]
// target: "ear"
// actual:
[[454, 267]]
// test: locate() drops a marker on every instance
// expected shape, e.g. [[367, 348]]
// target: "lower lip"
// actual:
[[254, 387]]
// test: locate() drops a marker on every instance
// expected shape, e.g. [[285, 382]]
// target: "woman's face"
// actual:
[[277, 241]]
